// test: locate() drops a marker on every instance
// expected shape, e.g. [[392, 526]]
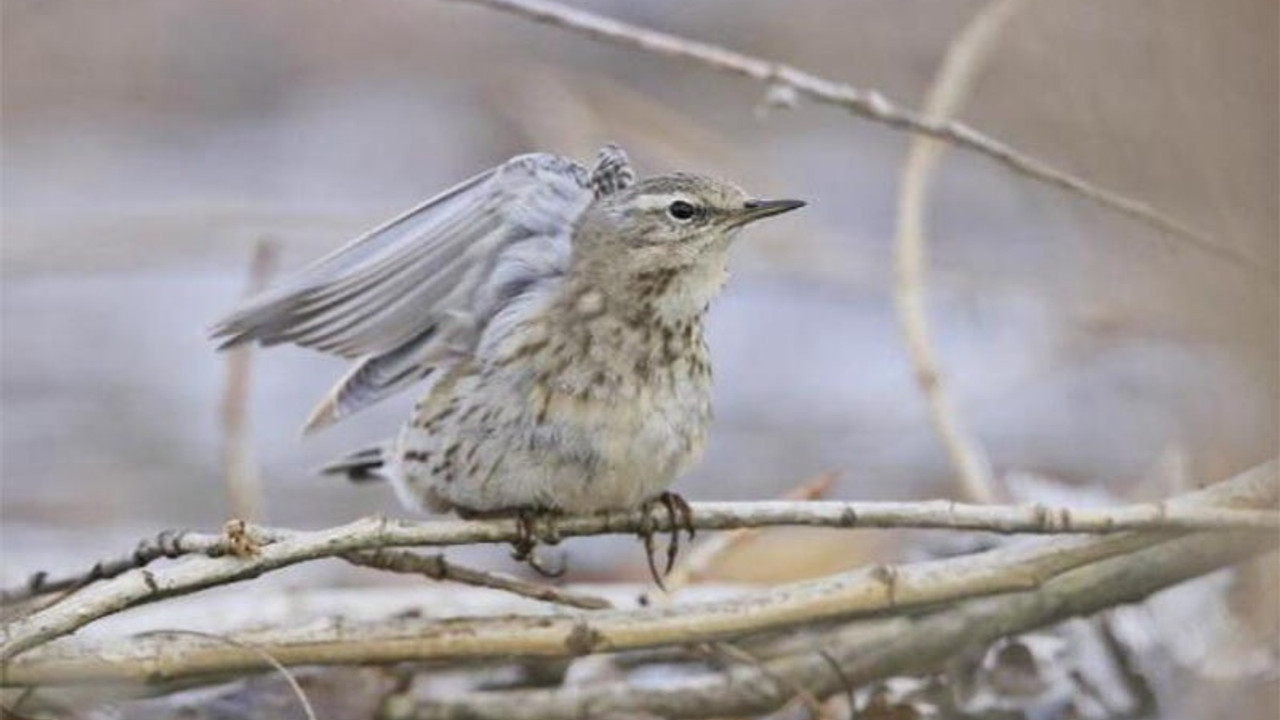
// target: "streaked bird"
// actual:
[[554, 314]]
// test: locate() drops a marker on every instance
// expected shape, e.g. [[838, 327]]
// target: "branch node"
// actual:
[[238, 539]]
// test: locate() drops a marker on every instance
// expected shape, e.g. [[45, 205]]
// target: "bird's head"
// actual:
[[669, 221]]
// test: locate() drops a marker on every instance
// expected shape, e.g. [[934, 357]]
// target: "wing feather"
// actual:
[[418, 290]]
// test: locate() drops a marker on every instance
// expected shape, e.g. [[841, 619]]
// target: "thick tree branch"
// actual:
[[867, 104], [864, 654], [868, 591]]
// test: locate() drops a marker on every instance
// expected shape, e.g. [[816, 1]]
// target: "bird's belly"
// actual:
[[644, 445], [567, 452]]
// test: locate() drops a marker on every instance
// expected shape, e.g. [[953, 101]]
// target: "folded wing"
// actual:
[[420, 289]]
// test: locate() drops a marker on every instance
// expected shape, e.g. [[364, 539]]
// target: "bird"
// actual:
[[554, 315]]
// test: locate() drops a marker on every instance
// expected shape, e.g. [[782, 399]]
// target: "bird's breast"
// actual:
[[638, 393]]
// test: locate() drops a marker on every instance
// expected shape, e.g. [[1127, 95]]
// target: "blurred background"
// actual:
[[150, 145]]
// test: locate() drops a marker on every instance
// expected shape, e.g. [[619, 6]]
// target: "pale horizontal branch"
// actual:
[[892, 647], [867, 104], [867, 591], [699, 561], [928, 514], [281, 548]]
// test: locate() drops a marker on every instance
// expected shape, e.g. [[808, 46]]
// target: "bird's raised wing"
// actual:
[[420, 289]]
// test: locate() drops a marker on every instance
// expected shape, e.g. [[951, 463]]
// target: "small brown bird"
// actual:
[[555, 313]]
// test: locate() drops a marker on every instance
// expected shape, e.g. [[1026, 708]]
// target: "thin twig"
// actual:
[[964, 58], [800, 693], [867, 104], [266, 656], [436, 567], [870, 591]]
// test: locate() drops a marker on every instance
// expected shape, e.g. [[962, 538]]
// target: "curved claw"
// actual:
[[524, 548], [646, 534], [685, 511], [679, 516]]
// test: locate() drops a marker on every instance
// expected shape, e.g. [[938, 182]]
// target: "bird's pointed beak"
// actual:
[[754, 210]]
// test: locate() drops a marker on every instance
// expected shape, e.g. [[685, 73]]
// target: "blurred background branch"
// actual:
[[243, 476], [963, 61]]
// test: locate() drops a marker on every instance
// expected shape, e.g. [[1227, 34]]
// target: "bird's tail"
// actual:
[[364, 465]]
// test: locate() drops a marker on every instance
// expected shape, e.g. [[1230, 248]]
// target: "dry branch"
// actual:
[[867, 591], [255, 550], [867, 104], [167, 544]]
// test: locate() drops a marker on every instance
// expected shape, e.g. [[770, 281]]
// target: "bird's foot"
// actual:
[[679, 517], [534, 526]]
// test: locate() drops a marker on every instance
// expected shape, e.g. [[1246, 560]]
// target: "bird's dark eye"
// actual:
[[681, 210]]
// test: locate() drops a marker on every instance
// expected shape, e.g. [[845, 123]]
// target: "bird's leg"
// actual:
[[526, 537], [679, 517]]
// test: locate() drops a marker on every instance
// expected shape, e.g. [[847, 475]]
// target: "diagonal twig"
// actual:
[[437, 567], [867, 104]]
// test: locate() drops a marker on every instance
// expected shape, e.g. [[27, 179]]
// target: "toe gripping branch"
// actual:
[[534, 526]]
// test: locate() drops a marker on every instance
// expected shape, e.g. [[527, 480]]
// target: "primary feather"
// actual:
[[420, 290]]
